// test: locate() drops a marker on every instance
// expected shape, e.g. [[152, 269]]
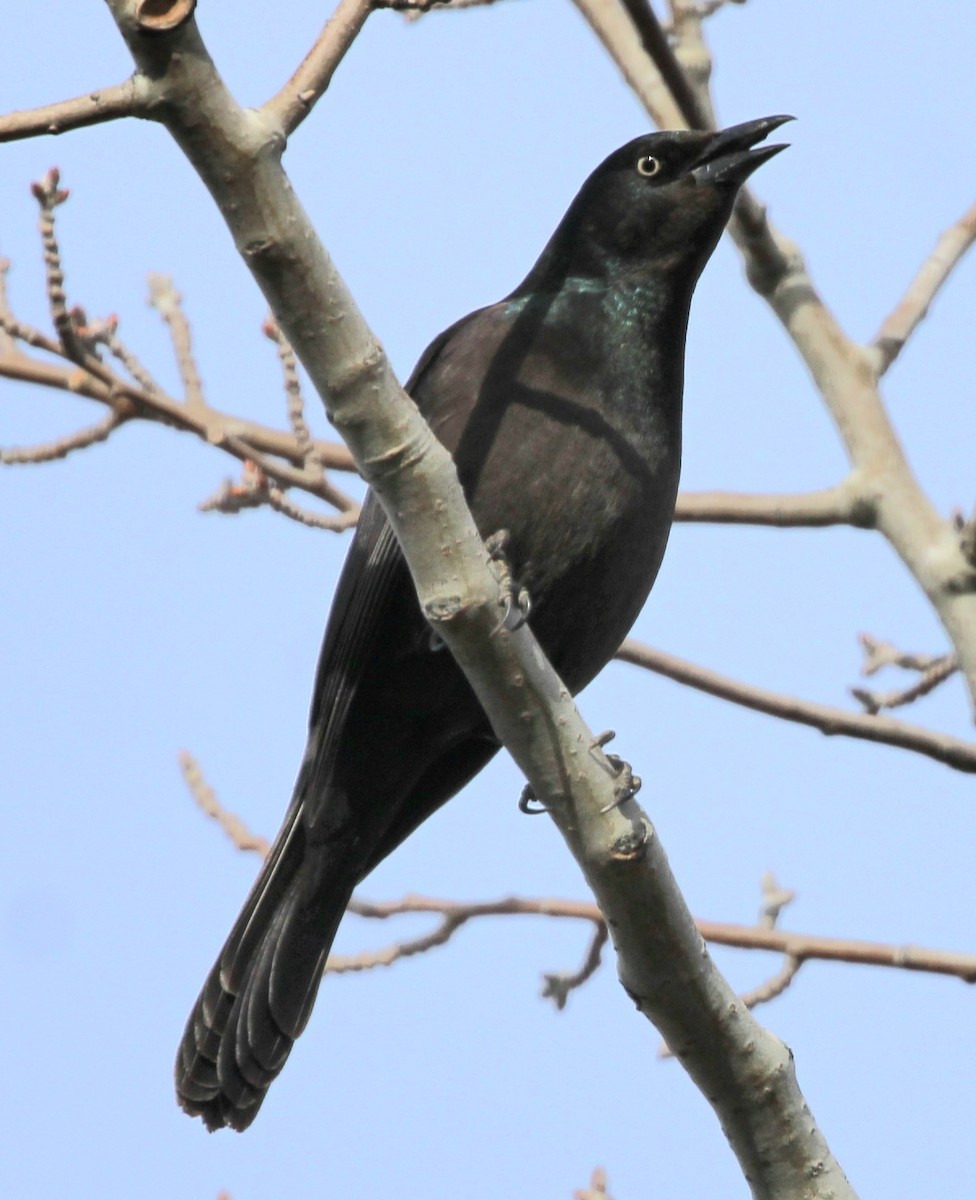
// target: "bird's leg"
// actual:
[[514, 599], [627, 784]]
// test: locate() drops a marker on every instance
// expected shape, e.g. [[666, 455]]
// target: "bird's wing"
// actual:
[[258, 997]]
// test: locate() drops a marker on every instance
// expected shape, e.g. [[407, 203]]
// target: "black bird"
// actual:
[[562, 408]]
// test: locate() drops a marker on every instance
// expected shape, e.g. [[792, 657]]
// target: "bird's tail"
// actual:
[[259, 994]]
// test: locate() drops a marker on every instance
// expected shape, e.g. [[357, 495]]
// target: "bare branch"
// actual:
[[692, 105], [309, 83], [913, 307], [128, 99], [558, 987], [942, 747], [119, 351], [774, 986], [612, 24], [839, 505], [774, 899], [708, 8], [802, 947], [879, 654], [49, 195], [932, 669], [928, 680], [806, 947], [8, 345], [456, 914], [293, 386], [597, 1189], [343, 964], [206, 798], [334, 524], [168, 302], [63, 446], [272, 452], [413, 10]]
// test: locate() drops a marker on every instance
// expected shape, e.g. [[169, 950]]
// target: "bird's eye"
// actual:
[[648, 165]]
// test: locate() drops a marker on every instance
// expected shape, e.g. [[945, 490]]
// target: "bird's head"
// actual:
[[659, 202]]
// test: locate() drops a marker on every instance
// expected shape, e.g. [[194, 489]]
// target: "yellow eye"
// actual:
[[648, 165]]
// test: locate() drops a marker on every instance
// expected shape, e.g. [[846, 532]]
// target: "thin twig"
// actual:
[[800, 946], [839, 505], [50, 195], [928, 680], [168, 302], [808, 947], [879, 654], [126, 99], [912, 308], [119, 351], [774, 986], [774, 899], [337, 523], [8, 345], [942, 747], [272, 451], [308, 84], [597, 1189], [292, 383], [455, 915], [206, 798], [558, 987], [932, 669], [61, 447]]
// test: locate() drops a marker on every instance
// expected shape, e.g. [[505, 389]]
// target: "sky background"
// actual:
[[131, 626]]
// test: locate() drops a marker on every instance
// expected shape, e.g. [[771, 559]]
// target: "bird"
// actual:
[[561, 406]]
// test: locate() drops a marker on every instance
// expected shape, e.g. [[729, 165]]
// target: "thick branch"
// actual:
[[954, 752]]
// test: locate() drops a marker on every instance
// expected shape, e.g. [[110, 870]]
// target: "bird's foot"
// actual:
[[626, 783], [514, 599]]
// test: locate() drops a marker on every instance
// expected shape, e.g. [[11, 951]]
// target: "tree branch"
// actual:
[[128, 99], [309, 83], [799, 947], [839, 505], [913, 307], [942, 747]]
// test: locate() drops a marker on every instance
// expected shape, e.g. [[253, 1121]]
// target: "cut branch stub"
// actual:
[[162, 16]]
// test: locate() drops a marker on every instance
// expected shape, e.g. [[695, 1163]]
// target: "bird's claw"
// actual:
[[530, 804], [515, 600], [626, 783]]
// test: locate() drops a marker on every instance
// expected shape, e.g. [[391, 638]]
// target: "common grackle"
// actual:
[[562, 407]]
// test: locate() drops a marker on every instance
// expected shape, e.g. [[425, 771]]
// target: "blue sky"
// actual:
[[133, 626]]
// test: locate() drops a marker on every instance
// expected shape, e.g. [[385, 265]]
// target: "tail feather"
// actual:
[[259, 994]]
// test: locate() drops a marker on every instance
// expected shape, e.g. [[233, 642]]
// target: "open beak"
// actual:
[[730, 157]]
